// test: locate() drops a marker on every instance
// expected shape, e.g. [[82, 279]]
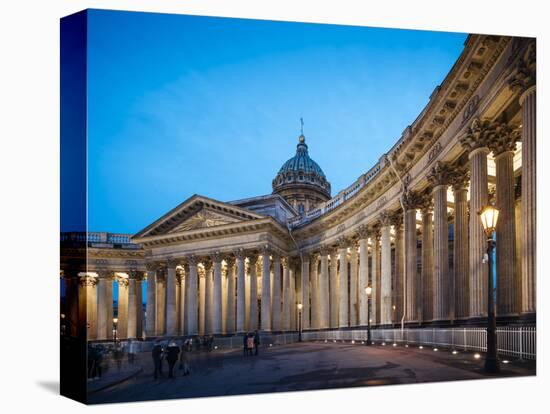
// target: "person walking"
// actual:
[[256, 342], [132, 351], [118, 354], [184, 359], [157, 358], [245, 344], [249, 344], [172, 353]]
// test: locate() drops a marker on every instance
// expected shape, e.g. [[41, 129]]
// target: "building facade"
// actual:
[[408, 228]]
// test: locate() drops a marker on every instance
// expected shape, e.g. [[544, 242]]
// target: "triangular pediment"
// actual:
[[197, 213]]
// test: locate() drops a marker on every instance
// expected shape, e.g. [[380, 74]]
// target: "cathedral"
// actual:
[[302, 258]]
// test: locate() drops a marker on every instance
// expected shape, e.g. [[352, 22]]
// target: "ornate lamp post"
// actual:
[[300, 306], [489, 217], [368, 291], [115, 326]]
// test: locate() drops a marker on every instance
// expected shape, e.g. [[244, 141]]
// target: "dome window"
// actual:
[[301, 208]]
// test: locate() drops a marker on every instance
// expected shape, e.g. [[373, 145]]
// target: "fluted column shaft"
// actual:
[[161, 303], [253, 293], [202, 303], [460, 247], [385, 288], [292, 278], [87, 305], [151, 306], [334, 289], [478, 239], [411, 277], [353, 299], [363, 280], [305, 292], [209, 300], [122, 325], [192, 295], [343, 300], [399, 269], [132, 308], [230, 307], [171, 316], [427, 265], [528, 102], [441, 254], [376, 279], [104, 325], [324, 315], [183, 304], [217, 295], [240, 294], [314, 277], [286, 296], [276, 294], [266, 291]]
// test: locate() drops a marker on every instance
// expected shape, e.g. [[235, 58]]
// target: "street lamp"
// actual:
[[300, 306], [115, 324], [368, 291], [489, 217]]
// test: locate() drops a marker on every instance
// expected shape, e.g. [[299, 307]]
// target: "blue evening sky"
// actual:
[[183, 105]]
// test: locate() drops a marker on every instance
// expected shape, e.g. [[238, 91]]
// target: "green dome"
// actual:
[[301, 161]]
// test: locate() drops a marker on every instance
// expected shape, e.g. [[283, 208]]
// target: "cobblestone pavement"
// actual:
[[304, 366]]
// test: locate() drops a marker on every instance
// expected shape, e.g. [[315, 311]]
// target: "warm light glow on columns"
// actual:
[[202, 299], [217, 293], [266, 291], [385, 279], [411, 254], [241, 304], [252, 262], [122, 326], [376, 275], [230, 306], [324, 315], [343, 300], [314, 277], [334, 288], [192, 289], [427, 260], [133, 308], [208, 298], [286, 295], [87, 304], [362, 235], [104, 319], [171, 316], [151, 296], [305, 291], [276, 294], [353, 292]]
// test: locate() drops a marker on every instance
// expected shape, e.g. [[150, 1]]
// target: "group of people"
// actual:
[[251, 342], [171, 353], [98, 356]]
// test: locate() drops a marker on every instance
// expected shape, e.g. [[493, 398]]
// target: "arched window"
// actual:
[[301, 208]]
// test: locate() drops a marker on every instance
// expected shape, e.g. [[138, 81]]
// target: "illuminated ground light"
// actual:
[[435, 349], [477, 356], [406, 345], [326, 341], [455, 352], [420, 347], [363, 342], [372, 343], [334, 340], [216, 347], [394, 344], [505, 361], [352, 342], [270, 344], [383, 344]]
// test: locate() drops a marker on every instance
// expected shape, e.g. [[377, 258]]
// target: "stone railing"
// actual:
[[99, 239]]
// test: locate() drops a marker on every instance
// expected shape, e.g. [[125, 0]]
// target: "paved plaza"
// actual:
[[303, 366]]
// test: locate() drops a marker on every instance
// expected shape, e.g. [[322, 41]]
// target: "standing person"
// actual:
[[249, 344], [118, 353], [157, 358], [256, 341], [172, 353], [184, 359], [245, 344]]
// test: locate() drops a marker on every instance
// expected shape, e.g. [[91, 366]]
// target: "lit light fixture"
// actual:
[[477, 356], [270, 344], [115, 320], [435, 349], [406, 345], [352, 341], [362, 342], [489, 218], [368, 290], [62, 316], [394, 344], [505, 361], [455, 352], [215, 346], [383, 344], [326, 341], [393, 307], [334, 340], [300, 306], [420, 347]]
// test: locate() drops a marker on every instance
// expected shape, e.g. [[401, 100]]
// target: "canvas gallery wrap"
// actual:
[[263, 206]]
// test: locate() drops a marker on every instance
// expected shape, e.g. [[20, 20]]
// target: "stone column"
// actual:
[[314, 277], [523, 81], [399, 268], [334, 288], [427, 260], [246, 298], [411, 201], [217, 294], [192, 296], [151, 305], [132, 305], [252, 262], [324, 314], [202, 300], [440, 178], [184, 276], [475, 141], [343, 300], [161, 301], [305, 291], [276, 294], [171, 313], [230, 274], [266, 292], [362, 235], [528, 101], [293, 301], [460, 246], [353, 298], [104, 324], [208, 298], [286, 295], [122, 325], [87, 304], [376, 276], [385, 279], [139, 305], [503, 146], [239, 255]]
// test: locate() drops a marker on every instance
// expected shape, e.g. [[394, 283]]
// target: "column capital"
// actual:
[[362, 232], [151, 266], [459, 178], [524, 74], [440, 174], [384, 218], [478, 135], [253, 258], [324, 250], [343, 242], [216, 257], [171, 262], [135, 275], [396, 219], [504, 139], [87, 279], [411, 199], [229, 260], [207, 264], [239, 254], [192, 260], [105, 274], [122, 281], [265, 249]]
